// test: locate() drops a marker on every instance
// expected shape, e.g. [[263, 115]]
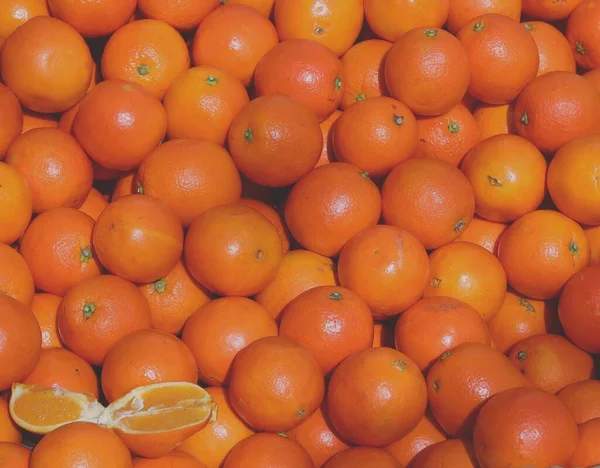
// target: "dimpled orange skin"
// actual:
[[593, 76], [328, 152], [362, 457], [583, 33], [13, 13], [541, 251], [462, 12], [554, 49], [45, 307], [304, 70], [587, 452], [174, 459], [262, 450], [331, 204], [272, 215], [14, 455], [119, 123], [453, 452], [94, 204], [12, 119], [495, 120], [582, 399], [503, 57], [482, 232], [428, 70], [56, 80], [375, 135], [387, 267], [549, 10], [429, 198], [16, 279], [15, 204], [183, 15]]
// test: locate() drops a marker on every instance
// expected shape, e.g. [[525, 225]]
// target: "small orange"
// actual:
[[93, 19], [15, 204], [184, 15], [45, 307], [549, 10], [362, 457], [464, 11], [94, 204], [14, 455], [328, 152], [262, 450], [484, 233], [583, 34], [12, 119], [16, 280], [495, 119], [13, 13], [553, 48], [582, 399], [9, 431], [454, 452], [273, 216], [587, 452], [174, 459]]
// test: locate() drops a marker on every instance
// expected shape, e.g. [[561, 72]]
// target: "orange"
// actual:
[[94, 204], [495, 119], [334, 23], [551, 362], [330, 205], [386, 266], [57, 170], [464, 11], [587, 452], [583, 33], [300, 271], [389, 19], [275, 140], [520, 318], [146, 357], [429, 198], [572, 179], [448, 136], [361, 377], [138, 238], [549, 10], [262, 450], [61, 368], [175, 459], [497, 77], [455, 452], [202, 102], [582, 399], [14, 455], [174, 298], [363, 70], [556, 108], [328, 152], [264, 7], [45, 307], [553, 48], [428, 70], [273, 216], [482, 232], [13, 13], [212, 444], [362, 457], [508, 176], [184, 15], [375, 135], [12, 119], [234, 38], [541, 251], [256, 391], [219, 330], [304, 70], [9, 431], [93, 19], [434, 325], [593, 76], [463, 379], [504, 426], [241, 271], [127, 184], [16, 280], [133, 123], [593, 235], [97, 313], [15, 204]]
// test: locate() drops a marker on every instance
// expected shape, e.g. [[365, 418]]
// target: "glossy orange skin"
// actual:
[[428, 70], [582, 399], [174, 298], [57, 248], [244, 270], [386, 266], [97, 313], [93, 19], [448, 136], [503, 57], [94, 204], [316, 215], [21, 344], [234, 38], [16, 280], [482, 232], [14, 455], [426, 433], [434, 325], [429, 198], [362, 457], [541, 113], [454, 452], [202, 102], [461, 13], [508, 176], [389, 19], [261, 450], [553, 48], [62, 368], [212, 444], [15, 204], [45, 307], [571, 179], [328, 152], [495, 120], [521, 317], [359, 378], [12, 119], [583, 34], [81, 442], [505, 423], [264, 7], [138, 238], [9, 432], [551, 362], [132, 124], [463, 379], [304, 70], [57, 170], [275, 140], [219, 330], [146, 357], [317, 437], [375, 135], [541, 251], [183, 15], [273, 216], [587, 452], [13, 13], [593, 76], [174, 459], [578, 309], [549, 10], [300, 271]]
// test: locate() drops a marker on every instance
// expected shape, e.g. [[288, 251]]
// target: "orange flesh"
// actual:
[[39, 409], [166, 420]]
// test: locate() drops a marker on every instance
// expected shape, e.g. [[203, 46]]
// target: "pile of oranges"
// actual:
[[299, 233]]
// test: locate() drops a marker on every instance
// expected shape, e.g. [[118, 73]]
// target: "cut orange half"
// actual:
[[42, 409]]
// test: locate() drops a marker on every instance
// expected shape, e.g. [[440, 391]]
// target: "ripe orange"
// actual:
[[16, 280], [454, 452], [593, 76], [127, 184], [45, 307], [593, 235], [582, 399], [328, 152], [264, 7], [273, 216], [12, 119], [14, 455], [94, 204], [15, 204], [549, 10], [495, 120], [13, 13], [9, 432], [184, 15], [93, 19], [464, 11], [482, 232], [587, 452], [261, 450], [553, 48], [174, 459], [362, 457], [583, 33]]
